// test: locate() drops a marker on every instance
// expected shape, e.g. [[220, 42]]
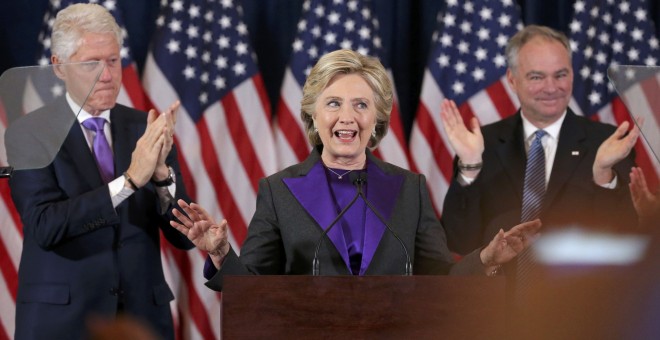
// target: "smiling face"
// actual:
[[542, 80], [345, 116], [101, 47]]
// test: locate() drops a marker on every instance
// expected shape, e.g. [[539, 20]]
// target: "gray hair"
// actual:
[[348, 62], [527, 34], [75, 20]]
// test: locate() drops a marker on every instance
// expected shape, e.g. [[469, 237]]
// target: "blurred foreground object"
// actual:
[[123, 327], [592, 286]]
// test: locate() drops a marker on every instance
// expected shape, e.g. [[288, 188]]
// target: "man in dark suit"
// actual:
[[91, 231], [587, 162]]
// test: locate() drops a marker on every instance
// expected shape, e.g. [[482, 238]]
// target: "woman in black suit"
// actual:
[[346, 105]]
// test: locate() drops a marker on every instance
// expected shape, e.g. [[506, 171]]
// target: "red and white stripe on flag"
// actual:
[[11, 240], [467, 65], [325, 26], [291, 141], [202, 57], [393, 148], [642, 99]]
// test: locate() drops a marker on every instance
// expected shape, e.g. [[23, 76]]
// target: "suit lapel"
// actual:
[[382, 194], [124, 137], [511, 152], [570, 152], [312, 190], [78, 152]]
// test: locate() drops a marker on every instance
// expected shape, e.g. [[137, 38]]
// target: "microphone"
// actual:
[[315, 261], [360, 180]]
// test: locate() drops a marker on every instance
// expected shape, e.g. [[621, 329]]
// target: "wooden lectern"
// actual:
[[419, 307]]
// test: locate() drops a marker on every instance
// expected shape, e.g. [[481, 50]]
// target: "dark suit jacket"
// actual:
[[81, 255], [473, 214], [294, 207]]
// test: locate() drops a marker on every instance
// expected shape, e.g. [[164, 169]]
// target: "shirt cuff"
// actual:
[[611, 184], [118, 191], [209, 268], [464, 180]]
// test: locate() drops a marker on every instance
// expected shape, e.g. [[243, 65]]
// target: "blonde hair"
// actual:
[[75, 20], [347, 62]]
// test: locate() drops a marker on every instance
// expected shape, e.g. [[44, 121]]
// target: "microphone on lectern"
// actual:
[[360, 180], [315, 261]]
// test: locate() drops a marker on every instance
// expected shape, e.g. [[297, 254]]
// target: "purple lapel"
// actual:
[[382, 192], [313, 193]]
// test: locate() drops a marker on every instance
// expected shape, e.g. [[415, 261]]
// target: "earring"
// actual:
[[373, 133], [316, 130]]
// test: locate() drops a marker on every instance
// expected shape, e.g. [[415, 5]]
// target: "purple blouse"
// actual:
[[353, 221]]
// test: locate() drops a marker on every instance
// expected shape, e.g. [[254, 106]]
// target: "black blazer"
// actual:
[[287, 225], [80, 255], [473, 214]]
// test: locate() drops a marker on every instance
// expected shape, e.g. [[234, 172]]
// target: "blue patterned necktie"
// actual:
[[533, 193], [101, 148], [534, 188]]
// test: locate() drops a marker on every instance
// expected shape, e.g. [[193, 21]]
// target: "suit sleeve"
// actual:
[[432, 256], [172, 235], [431, 253], [231, 266], [613, 207], [262, 252], [461, 216], [607, 209], [50, 216]]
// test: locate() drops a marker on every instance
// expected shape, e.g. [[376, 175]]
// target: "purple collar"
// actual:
[[313, 193]]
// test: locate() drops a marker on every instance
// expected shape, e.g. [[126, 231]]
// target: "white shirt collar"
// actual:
[[82, 114], [552, 130]]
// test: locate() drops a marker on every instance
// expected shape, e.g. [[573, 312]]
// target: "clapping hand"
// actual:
[[647, 204], [613, 150], [507, 245], [467, 143], [161, 171], [147, 150]]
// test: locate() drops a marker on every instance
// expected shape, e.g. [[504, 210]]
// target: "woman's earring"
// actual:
[[373, 133], [316, 130]]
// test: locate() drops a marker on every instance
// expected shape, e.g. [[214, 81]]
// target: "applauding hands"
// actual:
[[507, 245], [151, 150], [467, 143]]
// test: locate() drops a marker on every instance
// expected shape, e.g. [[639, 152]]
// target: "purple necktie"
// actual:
[[102, 151]]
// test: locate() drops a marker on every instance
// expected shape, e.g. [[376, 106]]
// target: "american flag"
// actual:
[[11, 240], [467, 64], [325, 26], [606, 33], [36, 93], [200, 54]]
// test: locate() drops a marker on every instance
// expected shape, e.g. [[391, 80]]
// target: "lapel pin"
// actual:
[[575, 153]]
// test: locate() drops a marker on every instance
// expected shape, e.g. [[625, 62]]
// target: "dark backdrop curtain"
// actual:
[[406, 29]]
